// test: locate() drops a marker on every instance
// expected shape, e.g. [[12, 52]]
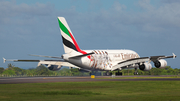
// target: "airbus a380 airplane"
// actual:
[[92, 60]]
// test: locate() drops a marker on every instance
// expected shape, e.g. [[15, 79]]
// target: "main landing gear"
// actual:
[[119, 73], [108, 73], [135, 73]]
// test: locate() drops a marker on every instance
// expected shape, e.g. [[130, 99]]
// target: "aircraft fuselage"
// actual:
[[102, 59]]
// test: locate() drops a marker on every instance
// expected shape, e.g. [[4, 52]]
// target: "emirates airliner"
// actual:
[[96, 60]]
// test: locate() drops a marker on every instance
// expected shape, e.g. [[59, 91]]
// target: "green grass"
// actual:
[[68, 92], [137, 77], [92, 91]]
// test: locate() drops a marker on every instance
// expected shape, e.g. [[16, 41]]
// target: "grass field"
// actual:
[[139, 77], [92, 91]]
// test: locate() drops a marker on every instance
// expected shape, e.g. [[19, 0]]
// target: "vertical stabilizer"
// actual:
[[69, 41]]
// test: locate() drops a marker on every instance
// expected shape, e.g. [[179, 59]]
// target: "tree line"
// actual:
[[44, 71], [154, 71], [39, 71]]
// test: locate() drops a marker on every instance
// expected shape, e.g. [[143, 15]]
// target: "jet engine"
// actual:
[[54, 67], [160, 63], [145, 67]]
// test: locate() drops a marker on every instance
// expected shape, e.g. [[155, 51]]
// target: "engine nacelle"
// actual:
[[145, 67], [54, 67], [160, 63]]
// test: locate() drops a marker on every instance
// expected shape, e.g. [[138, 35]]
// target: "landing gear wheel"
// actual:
[[135, 73], [107, 73]]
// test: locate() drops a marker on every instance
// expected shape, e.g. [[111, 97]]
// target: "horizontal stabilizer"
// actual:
[[79, 56], [46, 56]]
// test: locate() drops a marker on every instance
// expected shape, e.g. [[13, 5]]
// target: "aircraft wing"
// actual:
[[130, 62], [154, 58], [139, 61], [45, 62]]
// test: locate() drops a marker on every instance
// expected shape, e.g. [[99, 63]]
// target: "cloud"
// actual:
[[157, 19], [22, 14], [145, 5], [34, 26], [149, 21], [17, 20], [118, 7], [10, 8], [28, 20], [115, 20], [170, 1]]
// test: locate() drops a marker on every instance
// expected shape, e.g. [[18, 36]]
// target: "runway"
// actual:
[[17, 80]]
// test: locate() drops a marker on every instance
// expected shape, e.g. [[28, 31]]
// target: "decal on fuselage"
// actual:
[[100, 60], [126, 56]]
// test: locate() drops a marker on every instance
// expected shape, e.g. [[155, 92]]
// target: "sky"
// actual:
[[149, 27]]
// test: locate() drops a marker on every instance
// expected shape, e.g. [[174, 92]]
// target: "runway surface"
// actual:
[[15, 80]]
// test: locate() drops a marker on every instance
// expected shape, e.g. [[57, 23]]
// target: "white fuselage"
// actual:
[[101, 59]]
